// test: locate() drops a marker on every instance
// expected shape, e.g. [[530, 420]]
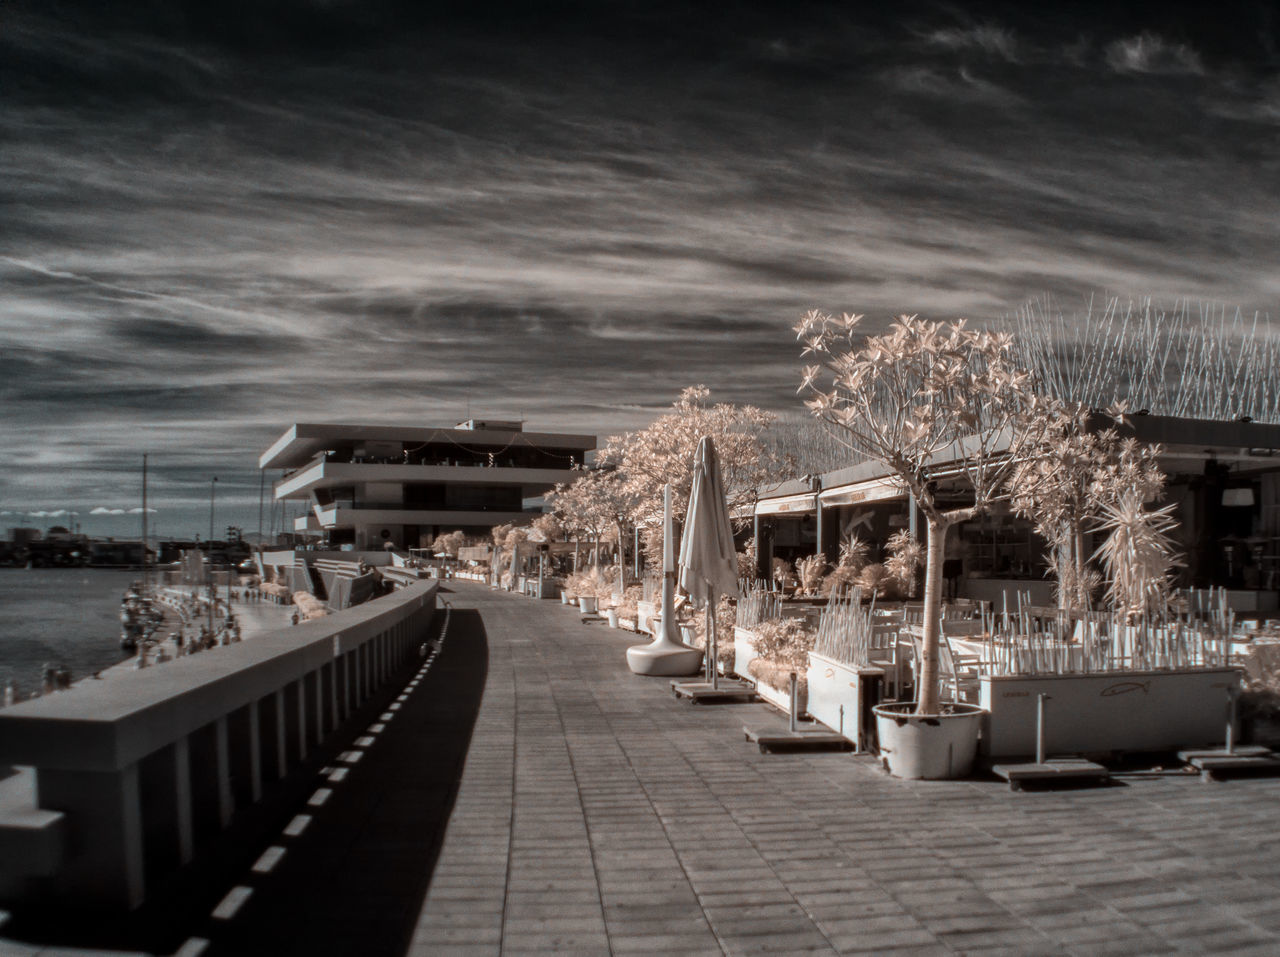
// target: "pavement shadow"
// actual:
[[355, 880]]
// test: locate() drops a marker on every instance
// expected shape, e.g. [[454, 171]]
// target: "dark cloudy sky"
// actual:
[[219, 218]]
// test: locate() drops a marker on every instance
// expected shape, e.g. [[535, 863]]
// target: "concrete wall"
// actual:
[[140, 763]]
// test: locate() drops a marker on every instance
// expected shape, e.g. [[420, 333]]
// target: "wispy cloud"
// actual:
[[986, 38], [1147, 53], [204, 243]]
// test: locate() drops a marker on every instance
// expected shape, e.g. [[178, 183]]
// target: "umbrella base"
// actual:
[[664, 659], [701, 691], [782, 739], [1053, 769]]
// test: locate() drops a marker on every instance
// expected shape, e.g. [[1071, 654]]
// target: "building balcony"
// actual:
[[348, 517], [323, 474]]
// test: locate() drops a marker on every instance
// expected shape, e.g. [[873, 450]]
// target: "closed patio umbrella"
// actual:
[[708, 560]]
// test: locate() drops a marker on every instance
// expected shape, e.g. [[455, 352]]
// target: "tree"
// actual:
[[920, 396], [449, 543], [663, 453], [546, 528], [1068, 484], [592, 504]]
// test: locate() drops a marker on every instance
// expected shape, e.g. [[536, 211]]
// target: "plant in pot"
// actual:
[[726, 617], [919, 393], [585, 586], [628, 607], [906, 555], [782, 649], [810, 571], [844, 577], [1079, 480], [783, 574]]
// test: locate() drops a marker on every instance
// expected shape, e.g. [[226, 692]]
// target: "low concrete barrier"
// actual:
[[1115, 711], [136, 770]]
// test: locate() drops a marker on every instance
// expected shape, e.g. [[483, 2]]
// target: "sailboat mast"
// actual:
[[145, 564]]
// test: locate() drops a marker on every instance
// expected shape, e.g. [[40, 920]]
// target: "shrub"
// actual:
[[809, 570], [784, 641]]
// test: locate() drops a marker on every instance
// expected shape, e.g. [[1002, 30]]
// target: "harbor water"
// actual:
[[65, 617]]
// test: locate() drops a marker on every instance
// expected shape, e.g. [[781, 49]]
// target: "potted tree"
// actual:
[[921, 393]]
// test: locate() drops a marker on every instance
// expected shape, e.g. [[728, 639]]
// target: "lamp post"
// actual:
[[213, 487]]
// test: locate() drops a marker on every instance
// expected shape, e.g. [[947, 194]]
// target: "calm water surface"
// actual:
[[62, 616]]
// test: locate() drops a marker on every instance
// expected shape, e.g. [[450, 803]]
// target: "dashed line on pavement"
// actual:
[[234, 900], [269, 859], [299, 824]]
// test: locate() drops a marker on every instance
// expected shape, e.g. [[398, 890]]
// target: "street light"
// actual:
[[213, 487]]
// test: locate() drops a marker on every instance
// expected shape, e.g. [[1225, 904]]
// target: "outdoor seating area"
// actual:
[[842, 597], [1114, 685]]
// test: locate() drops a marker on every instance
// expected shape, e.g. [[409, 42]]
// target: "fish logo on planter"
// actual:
[[1124, 687]]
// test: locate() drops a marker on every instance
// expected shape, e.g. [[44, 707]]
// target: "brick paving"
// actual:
[[598, 815], [595, 814]]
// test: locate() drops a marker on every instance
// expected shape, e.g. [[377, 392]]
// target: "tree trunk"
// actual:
[[1082, 591], [927, 701], [621, 586], [1066, 571]]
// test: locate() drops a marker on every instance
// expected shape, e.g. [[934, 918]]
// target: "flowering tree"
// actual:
[[1075, 480], [579, 509], [663, 452], [449, 543], [918, 396], [546, 528]]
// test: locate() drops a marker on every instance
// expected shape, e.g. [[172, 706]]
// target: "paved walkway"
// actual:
[[598, 815]]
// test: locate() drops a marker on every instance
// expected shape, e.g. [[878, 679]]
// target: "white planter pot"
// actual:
[[565, 599], [688, 634], [928, 747], [1113, 711], [588, 605], [838, 697], [612, 615], [744, 651]]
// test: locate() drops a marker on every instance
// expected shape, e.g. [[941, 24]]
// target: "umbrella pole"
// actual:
[[712, 657]]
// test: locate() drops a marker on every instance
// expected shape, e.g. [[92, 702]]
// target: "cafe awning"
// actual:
[[788, 504], [873, 490]]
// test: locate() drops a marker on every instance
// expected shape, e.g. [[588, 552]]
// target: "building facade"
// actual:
[[367, 486]]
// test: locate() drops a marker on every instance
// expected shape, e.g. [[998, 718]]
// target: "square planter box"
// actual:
[[780, 698], [744, 652], [1115, 711], [839, 697], [645, 610]]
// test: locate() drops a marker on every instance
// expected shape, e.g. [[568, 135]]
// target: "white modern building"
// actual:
[[367, 485]]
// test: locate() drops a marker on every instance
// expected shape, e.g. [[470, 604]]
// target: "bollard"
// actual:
[[795, 703], [1040, 700], [1231, 720]]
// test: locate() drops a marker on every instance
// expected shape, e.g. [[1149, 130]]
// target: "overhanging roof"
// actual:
[[1185, 442], [302, 441]]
